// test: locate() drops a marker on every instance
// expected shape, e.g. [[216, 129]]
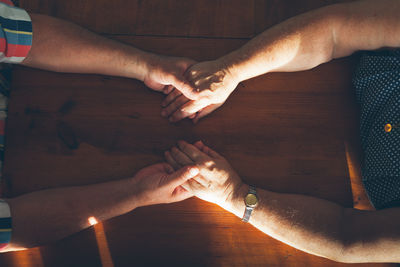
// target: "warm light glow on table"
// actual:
[[360, 199], [92, 220], [102, 244], [28, 258]]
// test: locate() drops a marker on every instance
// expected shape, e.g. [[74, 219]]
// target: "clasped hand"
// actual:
[[216, 182], [207, 86]]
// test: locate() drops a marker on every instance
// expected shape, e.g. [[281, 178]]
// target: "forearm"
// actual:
[[310, 224], [324, 228], [62, 46], [313, 38], [45, 216], [290, 219]]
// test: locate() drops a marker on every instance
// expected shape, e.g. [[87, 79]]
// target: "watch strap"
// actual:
[[252, 190], [247, 213], [248, 210]]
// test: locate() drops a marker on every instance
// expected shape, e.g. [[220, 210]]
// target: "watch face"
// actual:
[[251, 200]]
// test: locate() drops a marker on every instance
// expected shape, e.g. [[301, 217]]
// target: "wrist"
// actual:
[[137, 195], [149, 61], [231, 64], [235, 201], [136, 63]]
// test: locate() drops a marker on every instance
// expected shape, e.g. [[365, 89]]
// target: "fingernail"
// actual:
[[194, 171]]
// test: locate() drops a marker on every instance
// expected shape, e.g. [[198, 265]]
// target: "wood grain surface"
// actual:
[[286, 132]]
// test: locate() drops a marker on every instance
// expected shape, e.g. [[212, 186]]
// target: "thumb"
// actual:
[[182, 175], [182, 85]]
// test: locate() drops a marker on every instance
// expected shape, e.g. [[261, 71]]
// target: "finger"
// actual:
[[203, 181], [180, 193], [205, 111], [171, 161], [200, 145], [168, 89], [186, 186], [194, 106], [172, 107], [171, 97], [168, 168], [194, 185], [180, 157], [188, 109], [199, 178], [182, 175], [210, 151], [185, 87], [191, 151]]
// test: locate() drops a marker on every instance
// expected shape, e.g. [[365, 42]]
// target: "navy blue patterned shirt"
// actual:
[[377, 83]]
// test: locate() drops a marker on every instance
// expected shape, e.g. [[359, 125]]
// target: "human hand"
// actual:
[[159, 183], [173, 107], [217, 182], [213, 82], [165, 73]]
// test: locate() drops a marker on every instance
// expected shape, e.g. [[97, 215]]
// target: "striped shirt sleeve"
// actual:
[[5, 224], [15, 33], [15, 43]]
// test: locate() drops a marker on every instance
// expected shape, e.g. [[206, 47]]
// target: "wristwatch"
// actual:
[[251, 201]]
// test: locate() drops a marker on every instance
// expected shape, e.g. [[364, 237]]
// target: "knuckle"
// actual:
[[181, 101], [176, 93], [174, 150], [172, 75], [168, 110], [183, 145], [173, 106], [168, 99]]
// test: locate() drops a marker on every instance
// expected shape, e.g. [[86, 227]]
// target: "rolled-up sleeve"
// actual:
[[15, 44], [5, 224], [15, 33]]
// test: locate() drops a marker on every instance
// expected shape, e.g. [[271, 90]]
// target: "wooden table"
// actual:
[[286, 132]]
